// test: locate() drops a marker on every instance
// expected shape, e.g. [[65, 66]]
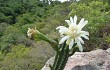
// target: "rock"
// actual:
[[85, 67], [49, 62], [94, 60]]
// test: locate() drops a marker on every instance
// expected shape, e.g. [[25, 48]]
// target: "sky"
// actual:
[[59, 0], [66, 0], [63, 0]]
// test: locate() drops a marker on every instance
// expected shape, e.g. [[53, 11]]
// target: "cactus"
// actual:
[[72, 36], [61, 58], [62, 51]]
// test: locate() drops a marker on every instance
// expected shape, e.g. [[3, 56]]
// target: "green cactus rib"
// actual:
[[61, 54], [63, 57], [58, 57], [50, 67], [55, 61], [52, 42], [61, 47], [64, 60], [74, 49]]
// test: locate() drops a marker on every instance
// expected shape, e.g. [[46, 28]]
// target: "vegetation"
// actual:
[[18, 52]]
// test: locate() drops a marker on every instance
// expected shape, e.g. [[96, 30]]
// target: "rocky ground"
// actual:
[[94, 60]]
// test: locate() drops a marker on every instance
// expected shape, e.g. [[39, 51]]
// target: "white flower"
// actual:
[[73, 34], [31, 32]]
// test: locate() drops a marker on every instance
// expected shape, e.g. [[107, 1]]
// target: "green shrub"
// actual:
[[96, 12], [3, 27], [12, 59]]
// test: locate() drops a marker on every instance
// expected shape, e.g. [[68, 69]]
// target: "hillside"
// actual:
[[18, 52]]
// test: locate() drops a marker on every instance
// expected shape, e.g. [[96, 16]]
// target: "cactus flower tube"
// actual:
[[33, 33], [74, 33]]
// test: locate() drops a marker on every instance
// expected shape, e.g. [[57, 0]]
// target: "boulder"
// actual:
[[94, 60]]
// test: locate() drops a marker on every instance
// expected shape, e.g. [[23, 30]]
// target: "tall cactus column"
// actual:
[[62, 57]]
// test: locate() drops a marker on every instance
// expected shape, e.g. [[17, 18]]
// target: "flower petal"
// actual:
[[68, 22], [84, 36], [82, 20], [68, 41], [29, 35], [80, 46], [83, 24], [71, 44], [63, 30], [29, 30], [80, 39], [84, 32], [71, 20], [63, 39], [75, 19], [59, 27]]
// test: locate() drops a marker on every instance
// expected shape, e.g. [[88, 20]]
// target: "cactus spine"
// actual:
[[62, 57]]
